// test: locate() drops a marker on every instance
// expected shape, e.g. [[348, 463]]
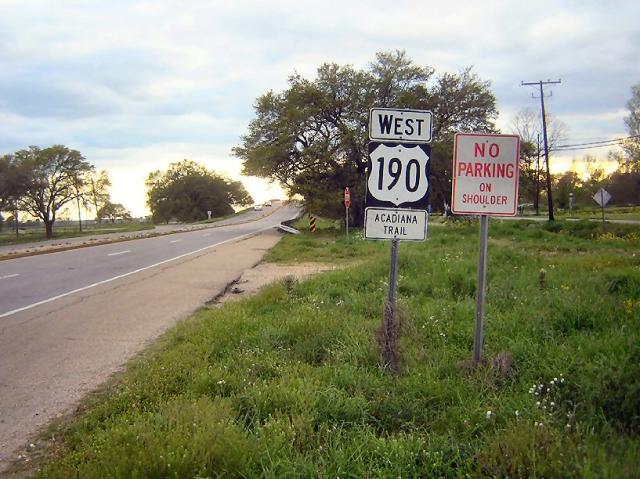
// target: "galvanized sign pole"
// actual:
[[347, 203], [347, 224], [485, 183], [393, 274], [480, 295], [396, 197]]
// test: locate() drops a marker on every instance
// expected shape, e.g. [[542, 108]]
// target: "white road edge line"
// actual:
[[9, 276], [120, 252], [104, 281], [175, 241]]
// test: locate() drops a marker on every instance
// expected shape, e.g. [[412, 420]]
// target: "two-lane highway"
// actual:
[[70, 319], [26, 282]]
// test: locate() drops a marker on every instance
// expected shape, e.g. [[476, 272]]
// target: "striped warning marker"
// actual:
[[312, 223]]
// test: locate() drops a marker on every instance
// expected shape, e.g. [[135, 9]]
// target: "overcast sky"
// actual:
[[135, 85]]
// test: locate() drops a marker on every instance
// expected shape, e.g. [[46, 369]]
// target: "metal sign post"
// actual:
[[480, 295], [393, 274], [347, 204], [485, 183], [602, 197], [396, 196]]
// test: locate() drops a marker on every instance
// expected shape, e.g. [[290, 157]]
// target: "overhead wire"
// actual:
[[594, 144]]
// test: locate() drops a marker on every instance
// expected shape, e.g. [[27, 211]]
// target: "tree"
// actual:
[[624, 187], [15, 180], [113, 212], [566, 184], [187, 190], [55, 173], [528, 125], [312, 137], [81, 196], [632, 145], [97, 191]]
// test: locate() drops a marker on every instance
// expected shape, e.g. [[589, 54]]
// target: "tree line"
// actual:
[[42, 181]]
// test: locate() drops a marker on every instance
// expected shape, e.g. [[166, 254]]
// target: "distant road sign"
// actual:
[[485, 174], [401, 224], [347, 197], [398, 175], [403, 126], [602, 197]]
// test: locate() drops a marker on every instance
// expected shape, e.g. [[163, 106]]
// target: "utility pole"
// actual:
[[538, 177], [544, 135]]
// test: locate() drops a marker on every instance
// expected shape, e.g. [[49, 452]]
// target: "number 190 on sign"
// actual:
[[398, 174]]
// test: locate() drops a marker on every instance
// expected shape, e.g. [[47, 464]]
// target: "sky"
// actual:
[[135, 85]]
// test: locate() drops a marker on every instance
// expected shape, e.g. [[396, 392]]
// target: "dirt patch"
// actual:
[[262, 274]]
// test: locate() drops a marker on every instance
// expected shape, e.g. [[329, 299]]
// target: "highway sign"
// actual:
[[400, 224], [398, 175], [347, 197], [602, 197], [403, 126], [485, 174]]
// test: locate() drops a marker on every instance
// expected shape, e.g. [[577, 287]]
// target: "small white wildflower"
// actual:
[[538, 403], [221, 381], [489, 414], [568, 426], [517, 413], [552, 404]]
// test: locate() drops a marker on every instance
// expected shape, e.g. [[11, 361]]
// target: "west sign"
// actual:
[[485, 174], [402, 126]]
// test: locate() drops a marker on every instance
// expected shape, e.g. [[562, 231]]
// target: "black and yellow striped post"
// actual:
[[312, 223]]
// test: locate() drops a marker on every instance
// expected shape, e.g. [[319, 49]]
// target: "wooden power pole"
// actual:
[[544, 136]]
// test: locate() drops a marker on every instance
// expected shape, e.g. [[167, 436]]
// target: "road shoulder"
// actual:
[[54, 354]]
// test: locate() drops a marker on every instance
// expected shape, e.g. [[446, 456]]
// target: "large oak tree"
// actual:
[[56, 176], [187, 190], [312, 137]]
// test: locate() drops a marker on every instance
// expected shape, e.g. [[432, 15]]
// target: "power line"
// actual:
[[596, 144], [585, 147]]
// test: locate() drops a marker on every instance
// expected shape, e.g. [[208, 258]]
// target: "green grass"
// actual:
[[289, 383], [30, 234], [595, 212]]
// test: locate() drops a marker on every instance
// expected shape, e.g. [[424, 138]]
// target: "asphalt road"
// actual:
[[71, 319], [35, 280]]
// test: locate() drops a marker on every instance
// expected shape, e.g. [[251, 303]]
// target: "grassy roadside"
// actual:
[[595, 212], [288, 384], [31, 234]]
